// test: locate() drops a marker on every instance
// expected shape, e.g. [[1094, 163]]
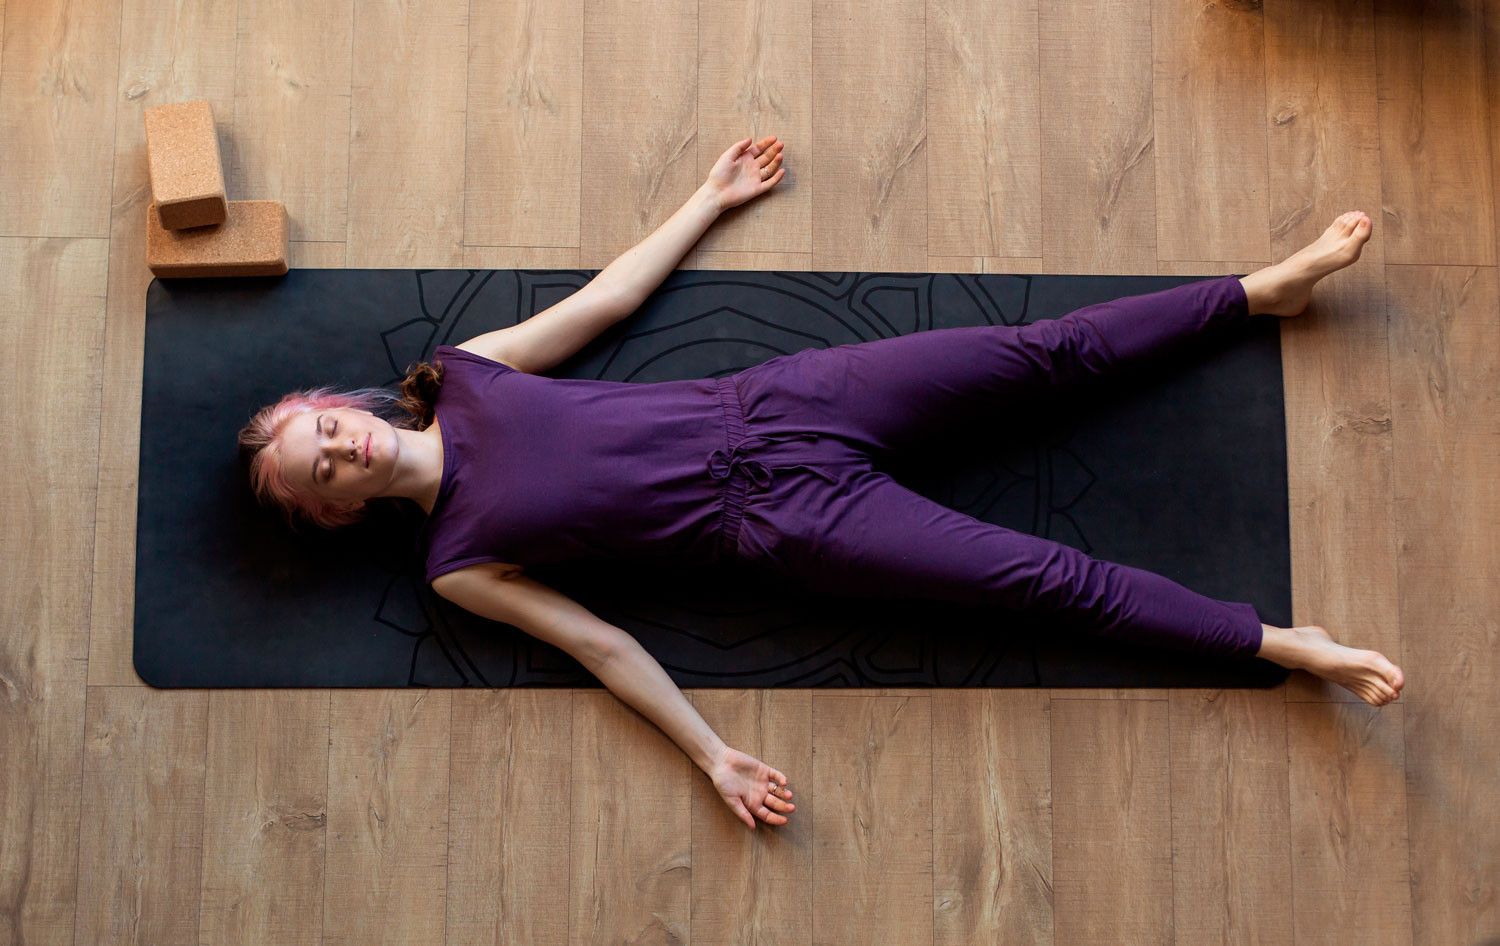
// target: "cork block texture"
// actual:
[[254, 241], [187, 175]]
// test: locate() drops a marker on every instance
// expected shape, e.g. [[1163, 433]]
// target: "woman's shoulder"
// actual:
[[472, 351], [475, 568]]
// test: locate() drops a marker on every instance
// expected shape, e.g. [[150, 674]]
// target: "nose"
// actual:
[[342, 448]]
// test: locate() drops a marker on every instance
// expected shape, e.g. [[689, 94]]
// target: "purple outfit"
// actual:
[[772, 467]]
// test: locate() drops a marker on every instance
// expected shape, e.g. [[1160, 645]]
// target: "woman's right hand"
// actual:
[[749, 785]]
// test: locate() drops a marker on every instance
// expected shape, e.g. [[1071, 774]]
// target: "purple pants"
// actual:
[[826, 519]]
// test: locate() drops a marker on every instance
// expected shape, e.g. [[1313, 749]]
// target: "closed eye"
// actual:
[[333, 426]]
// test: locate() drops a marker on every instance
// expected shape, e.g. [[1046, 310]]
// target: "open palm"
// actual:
[[746, 170], [744, 782]]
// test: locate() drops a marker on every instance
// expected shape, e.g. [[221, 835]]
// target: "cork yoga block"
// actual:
[[254, 241], [187, 175]]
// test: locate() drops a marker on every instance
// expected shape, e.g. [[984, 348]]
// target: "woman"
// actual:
[[770, 467]]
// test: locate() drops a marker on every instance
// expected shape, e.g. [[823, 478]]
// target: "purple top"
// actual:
[[539, 470]]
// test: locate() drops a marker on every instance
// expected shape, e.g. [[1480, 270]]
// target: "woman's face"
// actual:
[[340, 454]]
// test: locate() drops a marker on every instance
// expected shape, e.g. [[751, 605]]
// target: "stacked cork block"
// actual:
[[192, 229]]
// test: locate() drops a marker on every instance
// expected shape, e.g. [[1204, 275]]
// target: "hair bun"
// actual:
[[419, 390]]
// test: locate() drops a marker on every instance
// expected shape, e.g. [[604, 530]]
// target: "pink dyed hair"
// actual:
[[260, 439]]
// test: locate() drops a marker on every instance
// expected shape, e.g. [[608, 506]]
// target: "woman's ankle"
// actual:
[[1258, 291], [1280, 645]]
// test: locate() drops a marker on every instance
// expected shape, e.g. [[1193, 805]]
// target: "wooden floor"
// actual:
[[1193, 137]]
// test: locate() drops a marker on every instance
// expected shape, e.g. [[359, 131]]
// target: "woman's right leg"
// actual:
[[869, 536]]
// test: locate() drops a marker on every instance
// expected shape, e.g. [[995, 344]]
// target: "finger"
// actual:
[[769, 153], [779, 804], [768, 816], [770, 182], [742, 814], [770, 168]]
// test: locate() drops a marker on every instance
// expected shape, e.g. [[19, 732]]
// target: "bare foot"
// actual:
[[1285, 289], [1365, 673]]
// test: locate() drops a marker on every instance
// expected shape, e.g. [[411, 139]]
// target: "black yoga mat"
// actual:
[[1180, 469]]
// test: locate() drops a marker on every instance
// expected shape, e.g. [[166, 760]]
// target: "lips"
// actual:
[[367, 448]]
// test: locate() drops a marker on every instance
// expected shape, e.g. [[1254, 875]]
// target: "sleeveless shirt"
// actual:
[[540, 470]]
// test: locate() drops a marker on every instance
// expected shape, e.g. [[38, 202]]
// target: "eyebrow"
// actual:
[[319, 425]]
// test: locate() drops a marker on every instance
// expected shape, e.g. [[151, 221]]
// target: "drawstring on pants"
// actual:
[[722, 465], [757, 473]]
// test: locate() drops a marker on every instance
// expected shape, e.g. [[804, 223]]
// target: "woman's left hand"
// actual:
[[746, 170]]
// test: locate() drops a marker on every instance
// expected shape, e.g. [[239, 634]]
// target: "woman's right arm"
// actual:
[[502, 593]]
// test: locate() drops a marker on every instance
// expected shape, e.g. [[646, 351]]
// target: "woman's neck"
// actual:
[[419, 467]]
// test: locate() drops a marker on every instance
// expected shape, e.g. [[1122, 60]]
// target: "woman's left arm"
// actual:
[[744, 171], [550, 337]]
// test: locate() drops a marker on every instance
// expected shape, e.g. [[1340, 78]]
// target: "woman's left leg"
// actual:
[[888, 394]]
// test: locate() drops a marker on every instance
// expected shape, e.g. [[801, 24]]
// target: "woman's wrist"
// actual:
[[706, 200], [712, 756]]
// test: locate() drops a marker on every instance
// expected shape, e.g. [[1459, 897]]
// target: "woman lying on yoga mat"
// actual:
[[769, 467]]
